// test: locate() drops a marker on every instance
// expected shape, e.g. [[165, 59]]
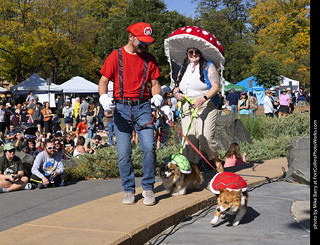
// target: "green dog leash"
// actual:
[[191, 102]]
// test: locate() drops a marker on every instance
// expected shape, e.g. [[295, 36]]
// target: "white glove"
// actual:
[[156, 101], [107, 102]]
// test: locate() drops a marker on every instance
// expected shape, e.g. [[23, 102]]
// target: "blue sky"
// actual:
[[184, 7]]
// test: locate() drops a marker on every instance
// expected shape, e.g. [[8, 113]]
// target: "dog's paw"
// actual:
[[236, 223], [176, 194], [214, 221]]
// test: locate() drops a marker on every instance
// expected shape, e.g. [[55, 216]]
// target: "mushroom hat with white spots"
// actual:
[[179, 41]]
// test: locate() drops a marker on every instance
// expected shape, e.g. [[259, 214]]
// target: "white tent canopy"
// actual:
[[36, 84], [3, 90], [78, 85], [286, 84]]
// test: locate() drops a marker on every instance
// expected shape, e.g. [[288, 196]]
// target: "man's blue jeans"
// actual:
[[124, 118], [100, 122], [234, 110], [110, 127], [91, 132]]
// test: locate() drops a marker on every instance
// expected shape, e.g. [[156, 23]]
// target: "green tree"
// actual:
[[55, 38], [154, 12], [15, 38], [267, 71], [281, 30], [64, 39]]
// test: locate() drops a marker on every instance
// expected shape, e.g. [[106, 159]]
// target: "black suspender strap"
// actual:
[[120, 72], [145, 69]]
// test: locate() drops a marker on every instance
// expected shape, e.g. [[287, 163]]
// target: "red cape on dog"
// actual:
[[227, 180]]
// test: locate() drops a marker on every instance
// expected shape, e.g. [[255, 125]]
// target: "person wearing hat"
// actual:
[[268, 104], [275, 101], [284, 103], [191, 83], [131, 67], [11, 171]]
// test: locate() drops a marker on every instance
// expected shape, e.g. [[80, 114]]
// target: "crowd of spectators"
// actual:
[[34, 129]]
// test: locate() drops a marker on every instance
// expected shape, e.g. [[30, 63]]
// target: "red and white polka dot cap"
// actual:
[[194, 37]]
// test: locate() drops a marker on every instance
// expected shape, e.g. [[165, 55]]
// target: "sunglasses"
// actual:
[[192, 52], [50, 147], [12, 151], [141, 43]]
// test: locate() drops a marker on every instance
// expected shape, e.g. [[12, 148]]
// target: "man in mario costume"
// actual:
[[131, 67]]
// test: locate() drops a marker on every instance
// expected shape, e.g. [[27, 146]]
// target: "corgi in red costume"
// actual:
[[233, 196]]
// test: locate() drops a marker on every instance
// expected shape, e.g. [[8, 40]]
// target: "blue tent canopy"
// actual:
[[255, 85], [258, 90]]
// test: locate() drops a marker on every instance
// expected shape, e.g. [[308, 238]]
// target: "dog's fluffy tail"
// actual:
[[197, 176]]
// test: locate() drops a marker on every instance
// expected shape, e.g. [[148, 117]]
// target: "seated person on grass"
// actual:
[[11, 171], [19, 141], [92, 144], [79, 149], [68, 143], [31, 144], [48, 169]]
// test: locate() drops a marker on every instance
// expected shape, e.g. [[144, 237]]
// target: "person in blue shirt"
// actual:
[[301, 100], [232, 101]]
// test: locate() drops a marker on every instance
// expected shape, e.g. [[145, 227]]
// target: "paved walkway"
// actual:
[[107, 221], [268, 220]]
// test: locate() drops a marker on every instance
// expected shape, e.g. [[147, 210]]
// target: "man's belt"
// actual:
[[131, 102]]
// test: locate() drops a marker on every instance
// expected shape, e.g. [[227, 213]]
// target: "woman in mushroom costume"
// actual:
[[200, 55]]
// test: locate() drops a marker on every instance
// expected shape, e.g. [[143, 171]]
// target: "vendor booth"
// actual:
[[289, 83], [39, 87], [251, 85], [36, 84]]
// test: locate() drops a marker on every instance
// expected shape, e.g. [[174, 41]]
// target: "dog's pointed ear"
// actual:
[[221, 190], [240, 192]]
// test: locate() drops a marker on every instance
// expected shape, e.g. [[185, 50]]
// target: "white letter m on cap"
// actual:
[[147, 31]]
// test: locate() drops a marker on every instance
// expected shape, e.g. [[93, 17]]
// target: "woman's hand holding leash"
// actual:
[[199, 102], [179, 96]]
